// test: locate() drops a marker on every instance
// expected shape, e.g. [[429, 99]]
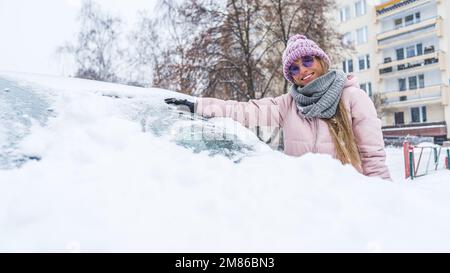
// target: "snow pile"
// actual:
[[105, 184]]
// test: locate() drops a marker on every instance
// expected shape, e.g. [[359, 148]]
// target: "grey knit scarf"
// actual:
[[320, 98]]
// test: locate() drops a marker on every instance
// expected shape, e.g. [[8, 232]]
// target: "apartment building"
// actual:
[[355, 22], [408, 45]]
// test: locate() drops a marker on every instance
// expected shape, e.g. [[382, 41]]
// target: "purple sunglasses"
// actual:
[[307, 61]]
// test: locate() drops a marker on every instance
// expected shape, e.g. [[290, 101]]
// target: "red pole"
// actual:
[[406, 158], [447, 160]]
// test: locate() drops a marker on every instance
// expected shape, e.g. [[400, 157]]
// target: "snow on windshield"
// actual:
[[22, 105], [19, 108], [114, 177]]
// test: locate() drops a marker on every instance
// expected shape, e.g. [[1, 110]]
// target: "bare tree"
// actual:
[[229, 49], [379, 100], [144, 56], [159, 47], [237, 46], [223, 57], [285, 18], [97, 52]]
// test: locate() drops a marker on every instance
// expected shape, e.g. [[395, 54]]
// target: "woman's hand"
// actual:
[[184, 104]]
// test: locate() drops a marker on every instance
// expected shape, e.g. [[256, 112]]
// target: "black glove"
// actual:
[[174, 101]]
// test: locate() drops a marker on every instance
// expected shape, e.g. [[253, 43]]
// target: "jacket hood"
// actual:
[[352, 80]]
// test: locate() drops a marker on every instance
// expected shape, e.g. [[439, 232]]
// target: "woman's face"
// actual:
[[310, 69]]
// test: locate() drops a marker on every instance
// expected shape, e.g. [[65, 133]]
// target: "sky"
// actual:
[[30, 31]]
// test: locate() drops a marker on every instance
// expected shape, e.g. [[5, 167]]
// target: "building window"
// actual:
[[360, 8], [363, 62], [415, 114], [367, 87], [415, 81], [399, 118], [421, 81], [419, 49], [347, 39], [417, 17], [398, 23], [424, 113], [419, 114], [412, 83], [361, 35], [409, 20], [402, 84], [347, 66], [410, 51], [345, 13], [400, 54]]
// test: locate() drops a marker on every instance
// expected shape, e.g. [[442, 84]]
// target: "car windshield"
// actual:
[[20, 108], [24, 105]]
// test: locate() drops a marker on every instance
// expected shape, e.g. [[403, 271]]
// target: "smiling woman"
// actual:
[[307, 68], [324, 112]]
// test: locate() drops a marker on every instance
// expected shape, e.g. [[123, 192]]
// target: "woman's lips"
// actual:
[[308, 77]]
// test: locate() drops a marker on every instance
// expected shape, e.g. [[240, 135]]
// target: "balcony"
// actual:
[[428, 27], [396, 6], [427, 95], [420, 63], [430, 129]]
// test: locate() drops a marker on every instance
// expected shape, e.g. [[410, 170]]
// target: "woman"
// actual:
[[324, 112]]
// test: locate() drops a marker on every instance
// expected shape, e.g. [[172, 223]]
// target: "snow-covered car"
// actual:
[[26, 103], [92, 166]]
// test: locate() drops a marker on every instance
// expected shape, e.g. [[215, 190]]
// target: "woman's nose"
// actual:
[[303, 70]]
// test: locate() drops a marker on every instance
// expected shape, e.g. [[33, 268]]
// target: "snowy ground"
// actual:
[[112, 177]]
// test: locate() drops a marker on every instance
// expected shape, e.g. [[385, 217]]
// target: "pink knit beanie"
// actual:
[[297, 47]]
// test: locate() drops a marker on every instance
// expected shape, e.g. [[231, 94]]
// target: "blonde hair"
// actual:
[[342, 133]]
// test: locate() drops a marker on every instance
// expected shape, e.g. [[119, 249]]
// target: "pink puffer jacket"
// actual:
[[302, 135]]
